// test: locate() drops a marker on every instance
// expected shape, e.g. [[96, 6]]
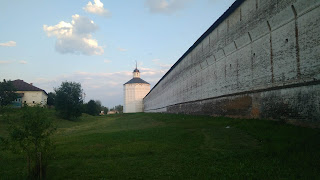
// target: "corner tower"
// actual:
[[134, 92]]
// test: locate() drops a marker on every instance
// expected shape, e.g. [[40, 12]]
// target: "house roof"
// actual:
[[136, 80], [20, 85]]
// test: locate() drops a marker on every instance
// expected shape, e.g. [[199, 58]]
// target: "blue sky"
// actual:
[[96, 42]]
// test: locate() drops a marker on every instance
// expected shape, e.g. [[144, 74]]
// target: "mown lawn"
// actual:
[[168, 146]]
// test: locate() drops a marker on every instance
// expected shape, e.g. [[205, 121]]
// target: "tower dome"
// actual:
[[136, 73]]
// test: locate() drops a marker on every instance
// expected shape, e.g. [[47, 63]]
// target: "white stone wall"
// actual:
[[133, 97], [263, 44], [34, 97]]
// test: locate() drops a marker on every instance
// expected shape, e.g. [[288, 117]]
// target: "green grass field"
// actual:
[[168, 146]]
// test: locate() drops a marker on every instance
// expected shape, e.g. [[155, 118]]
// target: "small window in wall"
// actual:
[[33, 102], [25, 101]]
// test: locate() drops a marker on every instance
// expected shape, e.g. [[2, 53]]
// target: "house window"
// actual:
[[33, 102]]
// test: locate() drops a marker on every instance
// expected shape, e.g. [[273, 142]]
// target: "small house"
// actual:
[[29, 94]]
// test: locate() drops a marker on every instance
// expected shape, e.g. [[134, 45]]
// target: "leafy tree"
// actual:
[[93, 108], [29, 134], [98, 102], [84, 108], [68, 101], [51, 98], [7, 93], [105, 109], [119, 108]]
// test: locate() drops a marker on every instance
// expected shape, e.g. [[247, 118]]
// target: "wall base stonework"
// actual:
[[297, 105]]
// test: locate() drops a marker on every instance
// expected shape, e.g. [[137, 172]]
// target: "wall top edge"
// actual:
[[224, 16]]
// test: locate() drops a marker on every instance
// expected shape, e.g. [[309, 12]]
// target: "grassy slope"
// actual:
[[163, 146]]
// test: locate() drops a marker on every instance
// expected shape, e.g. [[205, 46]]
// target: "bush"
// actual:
[[29, 134]]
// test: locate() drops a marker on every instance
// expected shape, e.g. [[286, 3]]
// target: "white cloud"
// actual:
[[13, 61], [97, 8], [23, 62], [162, 65], [9, 44], [122, 49], [165, 6], [107, 61], [107, 87], [6, 62], [75, 37]]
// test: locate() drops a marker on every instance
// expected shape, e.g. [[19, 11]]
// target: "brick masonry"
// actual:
[[261, 59]]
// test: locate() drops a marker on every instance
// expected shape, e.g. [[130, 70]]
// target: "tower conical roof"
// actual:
[[136, 80]]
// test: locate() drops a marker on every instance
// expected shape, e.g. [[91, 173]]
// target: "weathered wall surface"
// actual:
[[261, 59]]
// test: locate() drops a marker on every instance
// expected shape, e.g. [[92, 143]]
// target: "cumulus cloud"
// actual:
[[75, 37], [97, 8], [165, 6], [106, 87], [9, 44]]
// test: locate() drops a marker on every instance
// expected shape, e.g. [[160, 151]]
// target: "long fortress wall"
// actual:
[[260, 59]]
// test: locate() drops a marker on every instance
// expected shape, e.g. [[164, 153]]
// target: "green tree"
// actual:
[[51, 98], [7, 93], [98, 102], [84, 108], [105, 109], [29, 134], [68, 101], [93, 108], [119, 108]]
